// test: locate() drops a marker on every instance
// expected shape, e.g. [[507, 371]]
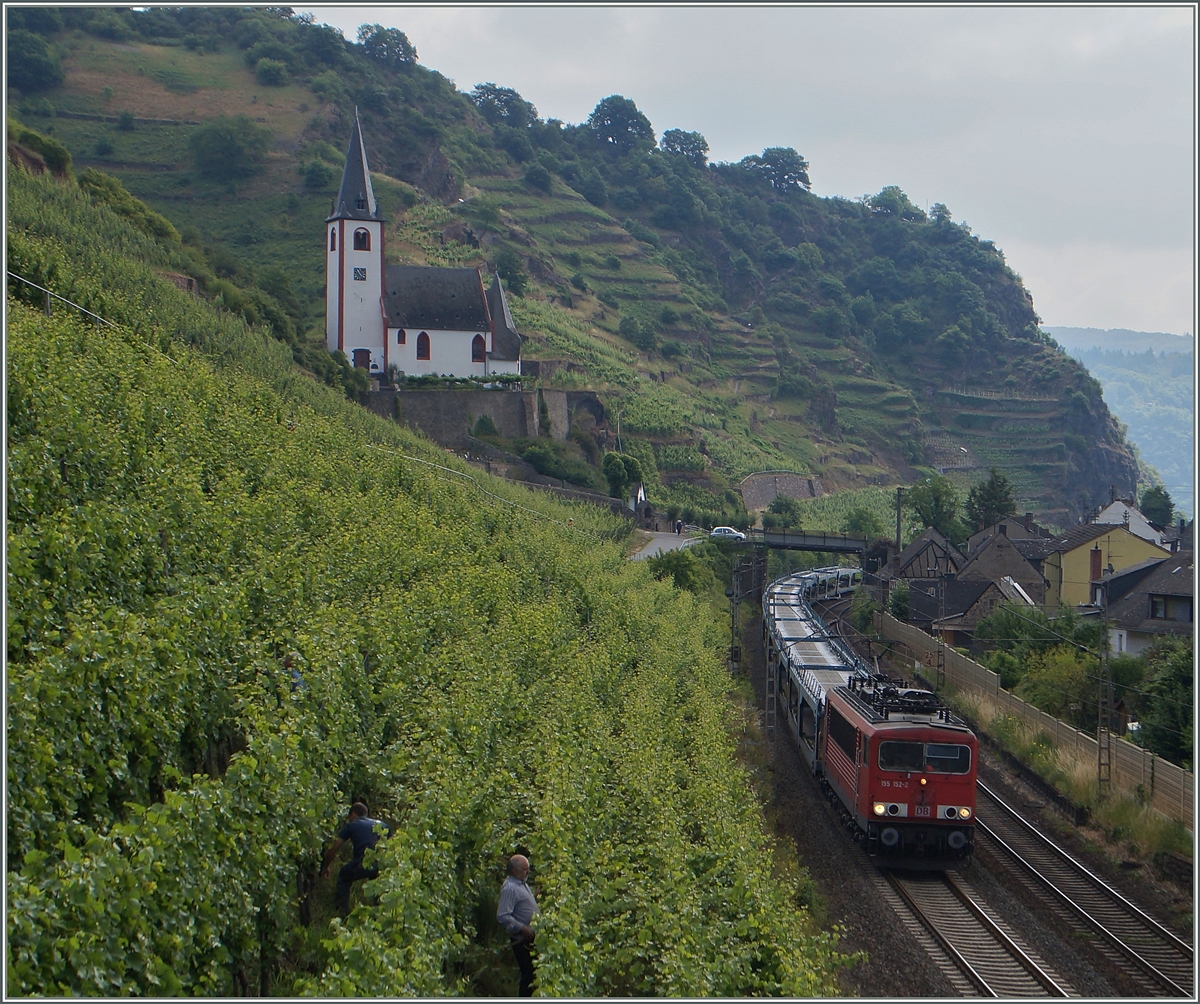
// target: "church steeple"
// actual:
[[355, 198]]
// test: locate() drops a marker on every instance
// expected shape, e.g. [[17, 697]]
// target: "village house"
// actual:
[[1124, 512], [406, 319], [953, 608], [997, 555], [930, 555], [1084, 554], [1010, 527], [1146, 601]]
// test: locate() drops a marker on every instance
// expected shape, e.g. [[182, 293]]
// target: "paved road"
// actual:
[[657, 543]]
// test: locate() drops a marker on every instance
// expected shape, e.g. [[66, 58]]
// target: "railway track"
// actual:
[[985, 958], [1156, 961]]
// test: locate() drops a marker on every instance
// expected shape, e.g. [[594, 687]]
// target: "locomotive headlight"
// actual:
[[923, 781], [880, 808], [965, 812]]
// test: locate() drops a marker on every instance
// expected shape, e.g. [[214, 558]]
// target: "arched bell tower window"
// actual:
[[362, 240], [477, 349], [423, 345], [332, 240]]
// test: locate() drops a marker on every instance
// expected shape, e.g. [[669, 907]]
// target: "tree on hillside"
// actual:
[[621, 472], [788, 511], [1157, 505], [891, 201], [389, 47], [989, 501], [511, 268], [781, 166], [503, 104], [935, 503], [863, 523], [32, 65], [230, 147], [617, 124], [692, 146]]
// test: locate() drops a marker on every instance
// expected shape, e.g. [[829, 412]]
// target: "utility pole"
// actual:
[[941, 638], [1104, 705], [899, 497]]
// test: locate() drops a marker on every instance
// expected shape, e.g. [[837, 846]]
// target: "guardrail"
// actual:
[[798, 540], [1168, 788]]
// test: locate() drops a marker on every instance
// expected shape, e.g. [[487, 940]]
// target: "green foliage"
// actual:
[[989, 501], [685, 569], [484, 426], [935, 502], [389, 47], [538, 177], [512, 270], [863, 522], [108, 190], [616, 124], [503, 105], [271, 72], [32, 64], [230, 147], [897, 603], [56, 156], [789, 511], [1061, 681], [1156, 505], [909, 303], [174, 530], [780, 166], [318, 175], [1167, 722], [862, 607], [125, 121], [621, 472], [692, 146], [551, 460]]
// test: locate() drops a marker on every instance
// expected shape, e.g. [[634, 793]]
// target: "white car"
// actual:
[[726, 533]]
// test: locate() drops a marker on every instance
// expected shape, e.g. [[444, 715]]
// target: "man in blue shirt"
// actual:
[[360, 831], [514, 912]]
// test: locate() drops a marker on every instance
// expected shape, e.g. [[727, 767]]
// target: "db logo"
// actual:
[[920, 810]]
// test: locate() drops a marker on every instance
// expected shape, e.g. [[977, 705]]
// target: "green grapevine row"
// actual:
[[485, 676]]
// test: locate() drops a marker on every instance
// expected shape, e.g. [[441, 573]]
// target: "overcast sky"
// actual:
[[1066, 135]]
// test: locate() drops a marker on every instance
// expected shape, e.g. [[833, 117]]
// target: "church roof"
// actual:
[[355, 198], [444, 299], [506, 340]]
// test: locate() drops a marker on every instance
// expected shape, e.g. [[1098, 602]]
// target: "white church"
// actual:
[[415, 319]]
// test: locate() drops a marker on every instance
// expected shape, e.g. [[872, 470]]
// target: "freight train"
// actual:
[[893, 760]]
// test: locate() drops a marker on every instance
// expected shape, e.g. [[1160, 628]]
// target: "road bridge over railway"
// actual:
[[798, 540]]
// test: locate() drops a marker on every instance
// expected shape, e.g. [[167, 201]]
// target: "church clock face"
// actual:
[[360, 275]]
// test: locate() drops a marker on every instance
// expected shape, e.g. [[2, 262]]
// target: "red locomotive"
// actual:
[[893, 759], [902, 767]]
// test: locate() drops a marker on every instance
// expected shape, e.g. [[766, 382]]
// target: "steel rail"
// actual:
[[955, 955], [1010, 946], [1130, 953]]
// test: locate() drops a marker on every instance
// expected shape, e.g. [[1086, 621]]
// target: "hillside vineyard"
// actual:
[[733, 319], [208, 659]]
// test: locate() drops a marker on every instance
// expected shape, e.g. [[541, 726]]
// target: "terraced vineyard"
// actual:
[[824, 329]]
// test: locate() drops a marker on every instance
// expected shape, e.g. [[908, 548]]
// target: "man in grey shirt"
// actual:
[[514, 912]]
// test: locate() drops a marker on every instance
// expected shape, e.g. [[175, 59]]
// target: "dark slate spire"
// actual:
[[355, 199]]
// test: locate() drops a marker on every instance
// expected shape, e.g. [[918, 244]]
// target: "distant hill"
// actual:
[[1120, 340], [736, 321], [1148, 381]]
